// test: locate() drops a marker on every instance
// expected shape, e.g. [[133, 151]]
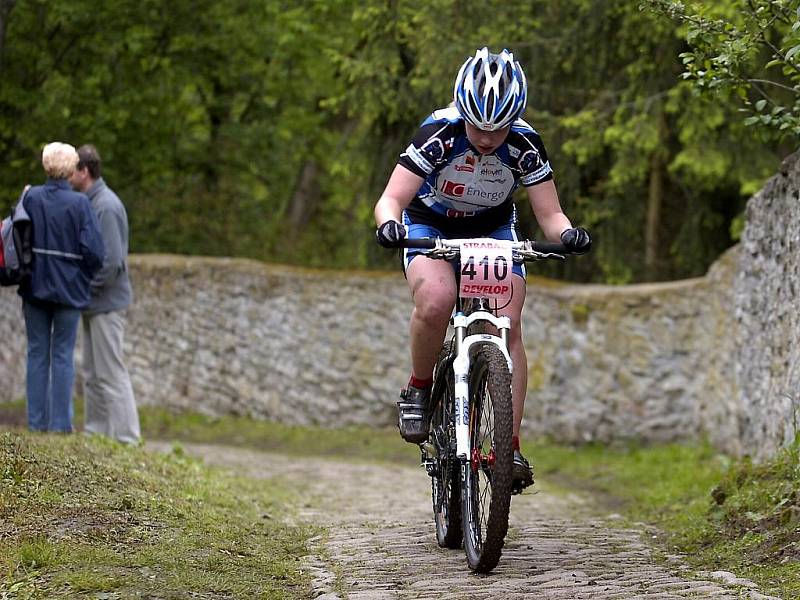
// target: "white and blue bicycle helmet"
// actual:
[[491, 90]]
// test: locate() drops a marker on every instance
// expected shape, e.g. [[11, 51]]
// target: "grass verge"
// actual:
[[87, 517], [353, 443]]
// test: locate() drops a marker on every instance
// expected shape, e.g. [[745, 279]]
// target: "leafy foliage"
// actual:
[[750, 50], [268, 130]]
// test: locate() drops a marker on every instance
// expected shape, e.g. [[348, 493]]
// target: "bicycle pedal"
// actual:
[[432, 469]]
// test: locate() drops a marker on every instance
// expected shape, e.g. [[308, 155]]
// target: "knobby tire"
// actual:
[[486, 486]]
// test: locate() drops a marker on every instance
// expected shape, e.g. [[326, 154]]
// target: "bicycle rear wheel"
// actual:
[[445, 486], [487, 472]]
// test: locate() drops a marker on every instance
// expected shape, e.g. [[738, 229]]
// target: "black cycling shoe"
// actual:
[[522, 473], [413, 419]]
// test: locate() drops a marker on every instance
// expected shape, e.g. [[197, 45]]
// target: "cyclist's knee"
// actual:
[[435, 309]]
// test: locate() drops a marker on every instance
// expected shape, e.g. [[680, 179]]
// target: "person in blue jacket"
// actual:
[[67, 251]]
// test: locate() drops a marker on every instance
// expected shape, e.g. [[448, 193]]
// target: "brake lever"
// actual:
[[443, 253], [523, 255]]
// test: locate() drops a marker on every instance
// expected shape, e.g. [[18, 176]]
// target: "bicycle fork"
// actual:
[[461, 365]]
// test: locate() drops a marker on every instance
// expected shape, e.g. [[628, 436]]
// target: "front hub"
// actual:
[[478, 460]]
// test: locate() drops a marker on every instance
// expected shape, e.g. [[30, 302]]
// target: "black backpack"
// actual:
[[16, 239]]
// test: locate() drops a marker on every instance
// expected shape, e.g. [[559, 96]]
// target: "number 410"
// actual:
[[500, 267]]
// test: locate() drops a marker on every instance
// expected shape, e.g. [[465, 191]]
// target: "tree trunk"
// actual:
[[305, 196], [655, 201]]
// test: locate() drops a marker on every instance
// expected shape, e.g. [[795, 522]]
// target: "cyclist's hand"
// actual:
[[390, 234], [577, 240]]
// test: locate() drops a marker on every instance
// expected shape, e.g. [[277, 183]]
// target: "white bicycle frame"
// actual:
[[461, 365], [449, 250]]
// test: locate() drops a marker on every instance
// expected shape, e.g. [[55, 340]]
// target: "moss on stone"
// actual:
[[537, 372], [580, 313]]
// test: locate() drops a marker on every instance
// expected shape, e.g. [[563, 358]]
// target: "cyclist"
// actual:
[[456, 180]]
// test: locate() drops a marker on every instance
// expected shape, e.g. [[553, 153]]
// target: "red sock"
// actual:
[[515, 442], [422, 384]]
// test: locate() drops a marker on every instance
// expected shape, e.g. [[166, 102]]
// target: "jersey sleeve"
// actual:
[[428, 150], [533, 164]]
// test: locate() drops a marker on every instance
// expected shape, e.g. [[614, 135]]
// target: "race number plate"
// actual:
[[486, 269]]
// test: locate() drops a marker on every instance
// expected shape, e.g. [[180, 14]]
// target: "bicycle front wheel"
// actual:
[[487, 472]]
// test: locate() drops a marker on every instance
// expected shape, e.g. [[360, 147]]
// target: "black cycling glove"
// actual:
[[577, 240], [390, 234]]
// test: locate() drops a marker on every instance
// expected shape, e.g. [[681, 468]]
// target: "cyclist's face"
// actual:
[[486, 142]]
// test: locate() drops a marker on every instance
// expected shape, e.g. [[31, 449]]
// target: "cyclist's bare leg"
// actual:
[[519, 378], [433, 289]]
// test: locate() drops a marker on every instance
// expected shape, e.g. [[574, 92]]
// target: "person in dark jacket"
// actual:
[[67, 252], [107, 390]]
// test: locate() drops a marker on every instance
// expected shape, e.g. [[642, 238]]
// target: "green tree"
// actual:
[[748, 49], [659, 178], [268, 130]]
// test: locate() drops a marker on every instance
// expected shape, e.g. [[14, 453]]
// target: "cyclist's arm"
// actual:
[[400, 191], [543, 198]]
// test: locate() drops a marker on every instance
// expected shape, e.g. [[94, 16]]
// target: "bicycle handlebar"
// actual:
[[523, 250], [422, 243]]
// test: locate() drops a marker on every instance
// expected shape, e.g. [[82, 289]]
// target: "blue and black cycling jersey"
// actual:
[[465, 193]]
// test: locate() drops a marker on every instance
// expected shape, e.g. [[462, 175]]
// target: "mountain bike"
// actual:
[[469, 452]]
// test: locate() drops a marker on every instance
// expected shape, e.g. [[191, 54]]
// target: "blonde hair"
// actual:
[[59, 160]]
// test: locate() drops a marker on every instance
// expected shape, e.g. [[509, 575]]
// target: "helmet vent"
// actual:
[[476, 71], [473, 106], [501, 116]]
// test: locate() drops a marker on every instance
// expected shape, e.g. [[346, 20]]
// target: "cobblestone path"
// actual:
[[381, 543]]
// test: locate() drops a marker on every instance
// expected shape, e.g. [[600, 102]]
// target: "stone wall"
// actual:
[[646, 362], [714, 356], [767, 314]]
